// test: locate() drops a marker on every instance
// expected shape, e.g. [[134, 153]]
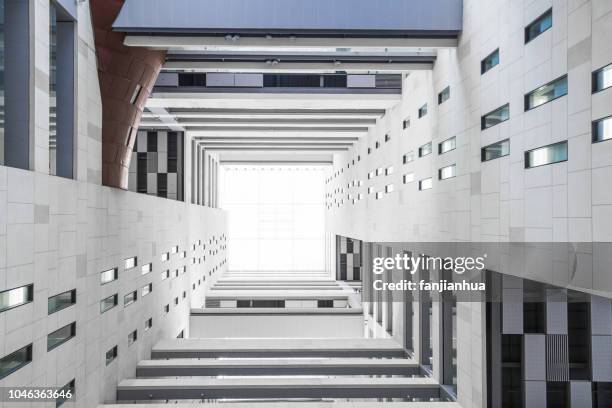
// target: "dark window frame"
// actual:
[[483, 62], [526, 155], [536, 21], [72, 335], [28, 360], [73, 301], [594, 88], [528, 94], [29, 296], [482, 118], [482, 151]]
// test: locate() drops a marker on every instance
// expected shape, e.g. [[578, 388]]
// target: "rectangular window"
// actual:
[[389, 171], [14, 361], [495, 117], [130, 263], [145, 290], [111, 355], [174, 249], [148, 324], [109, 276], [422, 111], [425, 184], [369, 150], [444, 95], [495, 150], [176, 301], [408, 178], [108, 303], [602, 130], [66, 394], [379, 171], [165, 256], [183, 254], [377, 144], [546, 93], [166, 308], [60, 336], [489, 61], [370, 190], [130, 298], [406, 123], [387, 137], [550, 154], [135, 94], [425, 149], [61, 301], [447, 145], [146, 269], [165, 274], [379, 195], [538, 26], [132, 337], [370, 175], [389, 188], [602, 78], [325, 303], [408, 157], [16, 297], [447, 172]]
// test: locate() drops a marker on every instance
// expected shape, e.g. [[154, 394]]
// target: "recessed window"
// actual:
[[379, 195], [14, 361], [408, 157], [495, 117], [406, 123], [550, 154], [377, 144], [408, 178], [389, 188], [166, 308], [444, 95], [132, 337], [371, 175], [61, 336], [422, 111], [425, 184], [369, 150], [146, 269], [379, 171], [130, 263], [387, 137], [546, 93], [109, 276], [16, 297], [176, 301], [447, 172], [145, 290], [135, 94], [130, 298], [165, 256], [602, 130], [425, 149], [602, 78], [66, 394], [489, 61], [174, 249], [495, 150], [165, 274], [538, 26], [108, 303], [184, 254], [111, 355], [389, 171], [61, 301], [447, 145], [148, 324]]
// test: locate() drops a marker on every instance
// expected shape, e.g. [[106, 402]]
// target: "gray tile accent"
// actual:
[[41, 214], [579, 54]]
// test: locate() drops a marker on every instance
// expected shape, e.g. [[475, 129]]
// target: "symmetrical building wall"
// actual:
[[392, 186]]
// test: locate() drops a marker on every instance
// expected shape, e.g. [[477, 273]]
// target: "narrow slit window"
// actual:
[[16, 297], [546, 93], [495, 150], [554, 153], [495, 117], [538, 26], [108, 303], [61, 301], [489, 61], [135, 94], [602, 130], [148, 324], [61, 336], [14, 361]]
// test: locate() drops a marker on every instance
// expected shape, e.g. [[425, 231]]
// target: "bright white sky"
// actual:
[[276, 217]]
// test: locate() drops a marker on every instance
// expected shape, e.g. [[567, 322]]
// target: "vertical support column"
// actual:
[[65, 96], [17, 68]]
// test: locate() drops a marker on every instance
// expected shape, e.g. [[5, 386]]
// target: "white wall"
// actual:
[[277, 325]]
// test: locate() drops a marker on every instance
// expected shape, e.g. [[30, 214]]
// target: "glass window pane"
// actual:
[[109, 276], [425, 149], [541, 24], [108, 303], [61, 301], [15, 361], [423, 111], [602, 129], [602, 78], [498, 116], [111, 355], [546, 93], [16, 297], [425, 184], [61, 336], [495, 150], [447, 145], [447, 172], [490, 61], [546, 155]]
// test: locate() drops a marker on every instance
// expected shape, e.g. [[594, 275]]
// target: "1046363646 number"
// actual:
[[36, 394]]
